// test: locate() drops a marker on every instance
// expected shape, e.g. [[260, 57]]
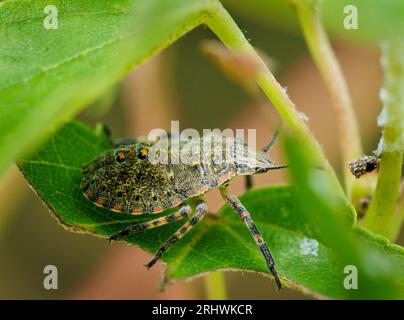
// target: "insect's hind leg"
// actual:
[[201, 210], [184, 212], [246, 218]]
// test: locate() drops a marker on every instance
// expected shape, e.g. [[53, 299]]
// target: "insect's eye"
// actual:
[[142, 152], [120, 156]]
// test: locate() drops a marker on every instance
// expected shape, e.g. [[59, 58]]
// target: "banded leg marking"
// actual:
[[184, 212], [246, 218], [201, 210]]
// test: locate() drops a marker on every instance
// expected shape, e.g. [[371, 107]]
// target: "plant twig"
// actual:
[[215, 286], [327, 63], [222, 24], [398, 217], [382, 217]]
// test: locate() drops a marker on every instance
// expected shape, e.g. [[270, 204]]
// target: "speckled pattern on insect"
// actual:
[[124, 180]]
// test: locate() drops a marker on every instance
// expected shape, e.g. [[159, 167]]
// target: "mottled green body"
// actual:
[[124, 180]]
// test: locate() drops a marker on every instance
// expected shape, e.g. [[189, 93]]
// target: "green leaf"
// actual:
[[48, 76], [219, 242]]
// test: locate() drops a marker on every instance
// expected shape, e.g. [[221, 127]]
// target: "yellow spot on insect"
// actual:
[[144, 152], [121, 155]]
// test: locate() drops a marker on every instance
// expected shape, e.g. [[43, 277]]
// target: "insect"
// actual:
[[364, 165], [124, 179]]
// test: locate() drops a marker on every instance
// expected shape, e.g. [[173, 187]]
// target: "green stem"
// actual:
[[215, 286], [222, 24], [327, 63], [382, 216], [398, 218]]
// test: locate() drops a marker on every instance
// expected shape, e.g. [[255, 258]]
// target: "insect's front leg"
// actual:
[[201, 210], [104, 129], [184, 212], [246, 218]]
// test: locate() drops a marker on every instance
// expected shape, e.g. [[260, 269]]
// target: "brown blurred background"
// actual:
[[179, 84]]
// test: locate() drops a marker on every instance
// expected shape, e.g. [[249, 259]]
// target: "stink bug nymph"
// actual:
[[124, 179]]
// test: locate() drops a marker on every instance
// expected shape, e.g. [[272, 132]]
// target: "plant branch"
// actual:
[[327, 63], [222, 24], [398, 218], [382, 217]]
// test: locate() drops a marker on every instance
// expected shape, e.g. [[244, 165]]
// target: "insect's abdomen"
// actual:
[[131, 186]]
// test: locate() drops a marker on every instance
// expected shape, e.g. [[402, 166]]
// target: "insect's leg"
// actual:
[[201, 210], [274, 139], [272, 167], [248, 182], [104, 129], [246, 218], [184, 212]]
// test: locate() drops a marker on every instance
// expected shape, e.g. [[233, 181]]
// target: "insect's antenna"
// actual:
[[272, 167], [275, 138]]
